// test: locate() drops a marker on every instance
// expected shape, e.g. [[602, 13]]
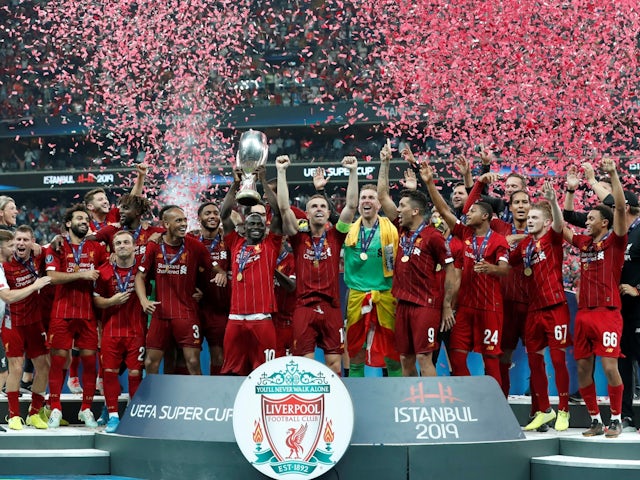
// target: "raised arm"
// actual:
[[138, 184], [351, 205], [619, 207], [229, 201], [289, 221], [272, 200], [600, 191], [463, 166], [426, 173], [320, 181], [480, 185], [388, 207], [550, 194]]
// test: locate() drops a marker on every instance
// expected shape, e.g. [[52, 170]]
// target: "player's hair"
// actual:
[[369, 186], [605, 212], [78, 207], [521, 177], [136, 202], [88, 197], [205, 205], [634, 210], [517, 192], [544, 207], [317, 195], [254, 214], [25, 229], [246, 211], [4, 201], [486, 208], [165, 209], [417, 199], [5, 236], [119, 233]]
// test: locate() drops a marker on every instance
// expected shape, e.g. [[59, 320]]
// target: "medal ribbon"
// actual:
[[77, 254], [122, 286], [28, 265], [99, 225], [528, 254], [281, 257], [364, 243], [479, 254], [318, 247], [407, 245], [136, 233], [214, 243], [515, 232], [243, 257], [176, 256]]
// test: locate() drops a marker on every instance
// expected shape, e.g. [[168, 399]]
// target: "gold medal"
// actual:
[[316, 263], [239, 277], [528, 271], [438, 267], [586, 266], [363, 256], [76, 268], [405, 259]]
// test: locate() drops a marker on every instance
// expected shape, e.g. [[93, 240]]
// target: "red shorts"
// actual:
[[213, 326], [284, 334], [477, 330], [548, 327], [30, 339], [183, 332], [79, 333], [113, 350], [597, 332], [416, 328], [513, 327], [319, 324], [247, 345]]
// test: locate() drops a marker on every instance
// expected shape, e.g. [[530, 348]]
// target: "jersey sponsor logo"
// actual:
[[302, 418]]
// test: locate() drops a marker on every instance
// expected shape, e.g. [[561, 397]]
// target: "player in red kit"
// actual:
[[123, 323], [215, 304], [23, 332], [486, 256], [539, 259], [318, 317], [598, 323], [73, 270], [180, 265]]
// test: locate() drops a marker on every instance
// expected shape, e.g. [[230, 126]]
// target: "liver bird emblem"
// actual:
[[294, 441]]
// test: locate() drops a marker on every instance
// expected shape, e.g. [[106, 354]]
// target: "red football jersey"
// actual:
[[126, 320], [317, 280], [479, 290], [177, 272], [254, 291], [217, 298], [514, 285], [600, 270], [416, 279], [74, 299], [21, 274], [140, 235]]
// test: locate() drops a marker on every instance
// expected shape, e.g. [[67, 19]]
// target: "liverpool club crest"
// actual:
[[293, 417]]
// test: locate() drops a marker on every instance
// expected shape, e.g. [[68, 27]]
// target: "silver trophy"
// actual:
[[252, 152]]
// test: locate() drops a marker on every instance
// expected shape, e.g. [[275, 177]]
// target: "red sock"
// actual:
[[88, 380], [111, 390], [504, 377], [73, 366], [13, 399], [492, 368], [589, 396], [558, 359], [37, 401], [534, 399], [134, 383], [55, 381], [615, 398], [539, 381], [458, 360]]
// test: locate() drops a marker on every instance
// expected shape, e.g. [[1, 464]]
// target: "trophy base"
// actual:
[[248, 198]]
